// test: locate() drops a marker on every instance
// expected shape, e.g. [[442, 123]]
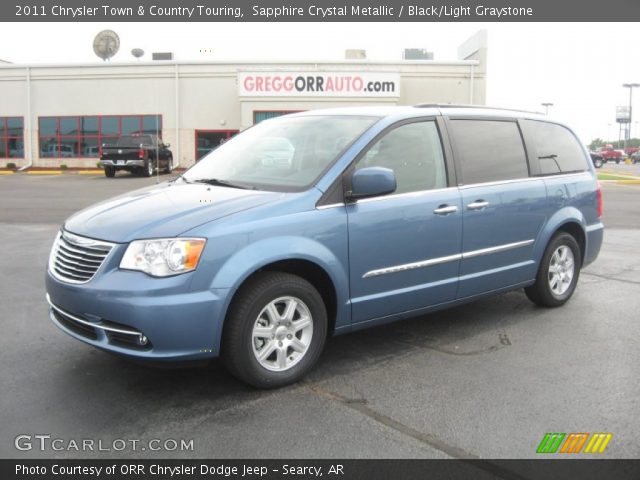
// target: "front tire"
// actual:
[[275, 330], [558, 272], [169, 168], [597, 163]]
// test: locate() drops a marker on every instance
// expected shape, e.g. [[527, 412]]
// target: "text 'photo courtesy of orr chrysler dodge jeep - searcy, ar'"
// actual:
[[324, 222]]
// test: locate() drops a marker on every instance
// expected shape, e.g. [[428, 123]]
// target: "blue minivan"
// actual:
[[324, 222]]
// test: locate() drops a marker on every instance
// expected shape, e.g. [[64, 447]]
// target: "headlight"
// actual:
[[161, 257]]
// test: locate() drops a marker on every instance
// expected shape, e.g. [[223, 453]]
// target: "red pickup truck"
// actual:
[[608, 153]]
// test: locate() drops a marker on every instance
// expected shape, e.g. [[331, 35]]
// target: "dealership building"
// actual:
[[58, 114]]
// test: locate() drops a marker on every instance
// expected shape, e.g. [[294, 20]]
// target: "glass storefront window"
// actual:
[[11, 137], [82, 136]]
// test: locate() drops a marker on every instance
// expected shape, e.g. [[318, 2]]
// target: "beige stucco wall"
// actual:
[[205, 95]]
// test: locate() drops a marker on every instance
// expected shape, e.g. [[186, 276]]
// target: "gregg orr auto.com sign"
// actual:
[[318, 84]]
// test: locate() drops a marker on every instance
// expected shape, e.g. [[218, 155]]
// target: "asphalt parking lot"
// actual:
[[486, 380]]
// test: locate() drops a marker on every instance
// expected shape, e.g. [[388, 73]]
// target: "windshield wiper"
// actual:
[[222, 183]]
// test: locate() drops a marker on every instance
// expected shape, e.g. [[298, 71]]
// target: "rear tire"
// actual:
[[109, 172], [275, 330], [558, 272], [148, 168]]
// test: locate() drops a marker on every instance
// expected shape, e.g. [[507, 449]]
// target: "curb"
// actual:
[[622, 182]]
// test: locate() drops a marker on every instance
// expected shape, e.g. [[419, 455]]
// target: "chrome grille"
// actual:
[[76, 259]]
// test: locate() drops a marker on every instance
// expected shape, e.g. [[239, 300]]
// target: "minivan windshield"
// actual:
[[282, 154]]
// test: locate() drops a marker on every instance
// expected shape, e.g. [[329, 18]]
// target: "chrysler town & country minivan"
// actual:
[[377, 214]]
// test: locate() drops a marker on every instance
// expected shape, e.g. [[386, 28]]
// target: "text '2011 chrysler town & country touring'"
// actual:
[[324, 222]]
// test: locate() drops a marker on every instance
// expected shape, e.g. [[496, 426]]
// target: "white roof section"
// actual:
[[269, 63]]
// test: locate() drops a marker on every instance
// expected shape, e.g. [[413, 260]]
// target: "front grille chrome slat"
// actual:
[[72, 257], [75, 267], [85, 253], [76, 259], [69, 273]]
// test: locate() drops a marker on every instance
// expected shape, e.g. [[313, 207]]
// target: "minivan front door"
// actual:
[[404, 248]]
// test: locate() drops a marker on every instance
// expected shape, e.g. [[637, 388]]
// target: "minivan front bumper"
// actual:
[[133, 322]]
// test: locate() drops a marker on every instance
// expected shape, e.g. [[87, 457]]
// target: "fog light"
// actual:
[[142, 340]]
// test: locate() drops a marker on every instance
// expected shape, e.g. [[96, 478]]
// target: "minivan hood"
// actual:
[[164, 210]]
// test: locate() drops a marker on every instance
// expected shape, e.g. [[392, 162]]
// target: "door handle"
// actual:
[[445, 209], [477, 205]]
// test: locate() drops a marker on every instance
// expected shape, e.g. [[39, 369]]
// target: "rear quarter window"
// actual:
[[556, 148], [488, 150]]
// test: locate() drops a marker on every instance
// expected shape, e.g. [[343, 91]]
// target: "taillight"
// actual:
[[141, 153], [600, 206]]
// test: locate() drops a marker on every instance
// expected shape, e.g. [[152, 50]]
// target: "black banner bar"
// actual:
[[314, 469], [318, 11]]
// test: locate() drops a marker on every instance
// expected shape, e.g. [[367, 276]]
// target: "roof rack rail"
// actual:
[[486, 107]]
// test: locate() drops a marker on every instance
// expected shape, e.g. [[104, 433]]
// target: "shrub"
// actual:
[[63, 166], [11, 165]]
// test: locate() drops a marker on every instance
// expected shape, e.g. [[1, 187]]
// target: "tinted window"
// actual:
[[48, 126], [130, 125], [109, 125], [68, 125], [11, 137], [14, 127], [413, 151], [489, 150], [88, 125], [152, 124], [134, 140], [557, 149]]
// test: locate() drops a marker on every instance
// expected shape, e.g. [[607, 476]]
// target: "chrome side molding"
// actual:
[[449, 258]]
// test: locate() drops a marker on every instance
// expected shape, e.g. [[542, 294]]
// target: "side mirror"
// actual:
[[372, 182]]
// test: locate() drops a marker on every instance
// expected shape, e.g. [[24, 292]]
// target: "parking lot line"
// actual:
[[44, 172]]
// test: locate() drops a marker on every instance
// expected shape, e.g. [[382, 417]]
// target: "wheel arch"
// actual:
[[305, 258], [574, 229], [569, 220], [312, 273]]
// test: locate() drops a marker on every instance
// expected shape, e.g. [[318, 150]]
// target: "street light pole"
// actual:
[[630, 86], [546, 106]]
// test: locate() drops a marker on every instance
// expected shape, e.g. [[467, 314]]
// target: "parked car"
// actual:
[[635, 158], [258, 262], [65, 151], [92, 151], [597, 159], [136, 153], [610, 154]]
